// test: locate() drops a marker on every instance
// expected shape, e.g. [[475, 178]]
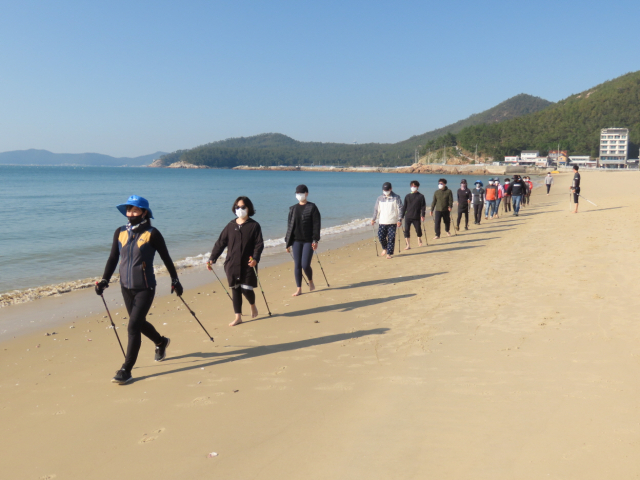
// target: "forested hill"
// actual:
[[45, 157], [574, 123], [278, 149]]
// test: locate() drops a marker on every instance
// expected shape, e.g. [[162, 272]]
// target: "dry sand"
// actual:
[[508, 352]]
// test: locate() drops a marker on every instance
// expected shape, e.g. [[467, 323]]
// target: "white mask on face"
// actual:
[[386, 193], [301, 196], [440, 186], [241, 212], [414, 189]]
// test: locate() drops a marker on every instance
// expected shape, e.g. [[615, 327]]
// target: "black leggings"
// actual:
[[237, 298], [444, 215], [465, 212], [302, 254], [416, 224], [548, 188], [507, 203], [138, 303], [477, 212]]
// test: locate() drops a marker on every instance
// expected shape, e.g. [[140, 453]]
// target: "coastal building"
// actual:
[[529, 157], [512, 159], [558, 157], [614, 147], [583, 161], [542, 162]]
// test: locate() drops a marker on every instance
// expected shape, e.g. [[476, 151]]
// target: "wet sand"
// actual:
[[509, 351]]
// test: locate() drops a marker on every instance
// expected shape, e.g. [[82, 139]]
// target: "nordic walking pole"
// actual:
[[325, 277], [112, 324], [424, 230], [194, 316], [587, 200], [303, 277], [455, 231], [399, 245], [261, 289], [225, 289], [375, 240]]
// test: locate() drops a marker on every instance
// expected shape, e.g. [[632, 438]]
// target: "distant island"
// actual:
[[47, 158]]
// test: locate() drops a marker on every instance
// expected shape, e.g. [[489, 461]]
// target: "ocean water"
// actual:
[[58, 222]]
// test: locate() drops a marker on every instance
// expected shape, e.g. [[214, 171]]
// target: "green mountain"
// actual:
[[45, 157], [574, 123], [276, 149]]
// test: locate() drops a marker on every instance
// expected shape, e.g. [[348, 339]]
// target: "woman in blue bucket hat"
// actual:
[[134, 246]]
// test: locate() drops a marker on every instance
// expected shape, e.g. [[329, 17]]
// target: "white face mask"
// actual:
[[241, 212], [414, 189], [301, 196], [386, 193], [440, 186]]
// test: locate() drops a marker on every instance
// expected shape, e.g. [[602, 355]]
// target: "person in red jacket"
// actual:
[[530, 185]]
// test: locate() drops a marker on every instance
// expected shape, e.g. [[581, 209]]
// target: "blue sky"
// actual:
[[131, 78]]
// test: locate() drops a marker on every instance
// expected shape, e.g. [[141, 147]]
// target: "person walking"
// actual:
[[491, 197], [303, 235], [442, 204], [415, 207], [388, 211], [575, 187], [548, 181], [517, 190], [134, 246], [507, 196], [477, 200], [529, 189], [464, 202], [242, 238], [496, 182]]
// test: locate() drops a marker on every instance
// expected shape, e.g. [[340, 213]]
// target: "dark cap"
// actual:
[[302, 189], [463, 181], [386, 186]]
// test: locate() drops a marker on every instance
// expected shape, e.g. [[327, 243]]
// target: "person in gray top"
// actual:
[[548, 181]]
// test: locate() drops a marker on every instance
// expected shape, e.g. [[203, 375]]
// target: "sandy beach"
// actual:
[[510, 351]]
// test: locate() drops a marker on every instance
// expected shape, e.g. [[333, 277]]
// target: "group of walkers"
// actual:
[[135, 244]]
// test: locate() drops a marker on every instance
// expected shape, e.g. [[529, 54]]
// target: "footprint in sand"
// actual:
[[48, 477], [198, 402], [150, 437], [281, 371]]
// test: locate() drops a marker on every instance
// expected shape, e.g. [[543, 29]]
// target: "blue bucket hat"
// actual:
[[135, 201], [478, 182]]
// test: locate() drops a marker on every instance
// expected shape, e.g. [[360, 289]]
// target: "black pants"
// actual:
[[548, 188], [416, 224], [138, 303], [463, 211], [477, 212], [302, 255], [446, 216], [507, 203], [236, 293]]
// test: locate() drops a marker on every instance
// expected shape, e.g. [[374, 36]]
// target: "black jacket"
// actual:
[[415, 206], [242, 241], [517, 188], [464, 197], [310, 223], [135, 248]]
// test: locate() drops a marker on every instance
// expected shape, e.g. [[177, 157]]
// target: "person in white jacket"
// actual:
[[548, 181], [389, 212]]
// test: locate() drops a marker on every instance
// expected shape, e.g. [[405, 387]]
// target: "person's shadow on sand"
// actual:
[[346, 307], [259, 351]]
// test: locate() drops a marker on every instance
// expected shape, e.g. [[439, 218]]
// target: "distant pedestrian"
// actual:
[[529, 183], [441, 206], [507, 196], [575, 187], [388, 211], [464, 203], [415, 209], [548, 181], [517, 190], [303, 235], [496, 182], [477, 200], [242, 237], [491, 197]]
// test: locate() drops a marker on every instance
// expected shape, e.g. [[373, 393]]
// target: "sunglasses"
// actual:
[[243, 207]]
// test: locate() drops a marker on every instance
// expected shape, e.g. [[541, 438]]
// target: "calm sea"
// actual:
[[58, 222]]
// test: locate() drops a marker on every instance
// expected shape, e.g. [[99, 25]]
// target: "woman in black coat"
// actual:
[[303, 235], [242, 238]]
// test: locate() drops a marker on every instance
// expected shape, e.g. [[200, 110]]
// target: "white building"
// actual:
[[583, 161], [529, 157], [542, 162], [614, 147], [515, 159]]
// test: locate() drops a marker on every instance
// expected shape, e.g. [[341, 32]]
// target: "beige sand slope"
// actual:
[[508, 352]]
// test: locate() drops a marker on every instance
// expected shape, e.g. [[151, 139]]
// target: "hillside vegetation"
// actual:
[[276, 149]]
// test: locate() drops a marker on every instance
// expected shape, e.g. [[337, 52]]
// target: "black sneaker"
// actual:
[[161, 350], [122, 377]]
